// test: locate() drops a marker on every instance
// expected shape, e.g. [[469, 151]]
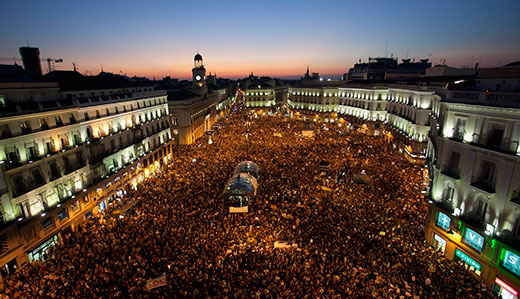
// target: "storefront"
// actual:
[[503, 289], [469, 262], [509, 261], [39, 253], [439, 243], [102, 206], [9, 268]]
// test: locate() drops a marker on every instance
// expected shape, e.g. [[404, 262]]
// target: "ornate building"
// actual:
[[470, 141], [399, 113], [194, 109], [70, 149], [474, 213]]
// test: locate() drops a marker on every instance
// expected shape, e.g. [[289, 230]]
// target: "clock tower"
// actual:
[[199, 74]]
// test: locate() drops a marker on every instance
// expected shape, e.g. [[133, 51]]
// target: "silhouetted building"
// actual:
[[31, 60], [387, 69], [309, 77]]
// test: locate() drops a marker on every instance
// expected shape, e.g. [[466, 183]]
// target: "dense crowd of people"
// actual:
[[352, 239]]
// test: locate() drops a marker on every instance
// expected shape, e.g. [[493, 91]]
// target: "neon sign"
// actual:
[[512, 262], [506, 286], [443, 221], [468, 260], [474, 239]]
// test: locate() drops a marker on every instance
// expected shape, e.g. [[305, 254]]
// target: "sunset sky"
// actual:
[[275, 38]]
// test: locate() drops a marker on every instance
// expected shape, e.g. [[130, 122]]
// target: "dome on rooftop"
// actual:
[[198, 57]]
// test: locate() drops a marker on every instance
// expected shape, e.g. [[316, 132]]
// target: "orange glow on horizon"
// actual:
[[232, 73]]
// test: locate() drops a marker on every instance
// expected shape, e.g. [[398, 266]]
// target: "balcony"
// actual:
[[12, 164], [483, 184], [74, 166], [496, 99], [476, 221], [452, 172], [54, 174], [25, 186], [457, 136], [505, 146], [98, 157], [445, 205]]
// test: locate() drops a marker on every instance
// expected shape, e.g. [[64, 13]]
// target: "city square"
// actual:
[[282, 149], [347, 238]]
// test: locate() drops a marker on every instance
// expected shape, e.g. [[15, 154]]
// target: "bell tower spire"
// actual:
[[199, 73]]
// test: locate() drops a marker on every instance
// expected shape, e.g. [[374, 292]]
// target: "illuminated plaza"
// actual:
[[313, 229], [293, 149]]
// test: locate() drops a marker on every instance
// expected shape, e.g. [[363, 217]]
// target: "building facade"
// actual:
[[474, 214], [261, 96], [194, 109], [401, 114], [67, 155], [472, 141]]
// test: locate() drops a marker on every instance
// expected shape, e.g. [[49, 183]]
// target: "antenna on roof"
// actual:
[[74, 65], [27, 43], [386, 48]]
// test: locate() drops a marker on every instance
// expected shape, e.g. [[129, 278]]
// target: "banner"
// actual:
[[156, 282], [285, 244], [238, 209], [308, 133]]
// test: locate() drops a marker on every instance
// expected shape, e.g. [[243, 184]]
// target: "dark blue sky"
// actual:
[[275, 38]]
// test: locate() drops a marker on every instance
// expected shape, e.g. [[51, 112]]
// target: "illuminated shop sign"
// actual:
[[443, 221], [468, 260], [504, 285], [474, 239], [512, 262], [38, 254]]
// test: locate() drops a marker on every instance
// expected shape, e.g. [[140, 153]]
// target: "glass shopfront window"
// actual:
[[439, 243], [102, 206], [62, 214], [38, 254], [504, 290]]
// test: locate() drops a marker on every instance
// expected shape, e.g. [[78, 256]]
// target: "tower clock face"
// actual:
[[198, 77]]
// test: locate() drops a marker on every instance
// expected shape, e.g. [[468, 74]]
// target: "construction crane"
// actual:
[[50, 61]]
